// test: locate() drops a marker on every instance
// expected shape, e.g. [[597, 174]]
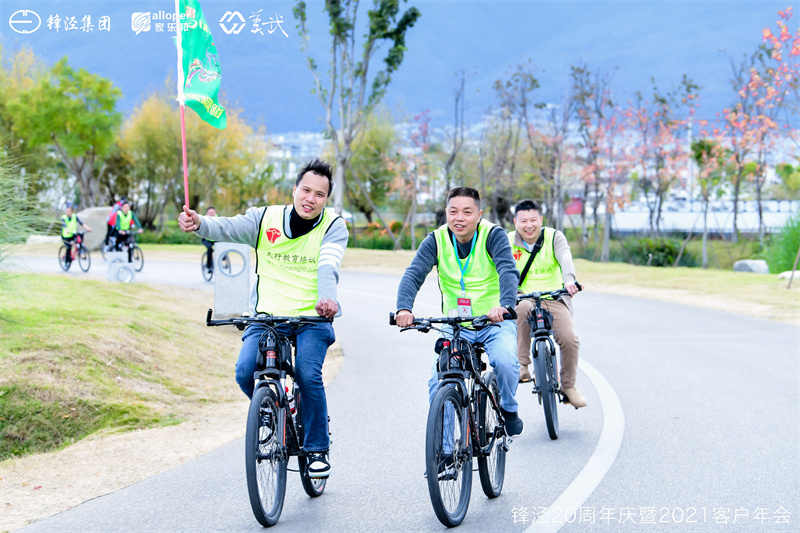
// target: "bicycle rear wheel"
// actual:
[[548, 385], [448, 463], [84, 259], [138, 258], [208, 273], [491, 468], [314, 487], [265, 457], [62, 258]]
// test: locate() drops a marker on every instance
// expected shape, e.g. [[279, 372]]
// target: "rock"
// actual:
[[758, 266], [786, 275], [96, 217]]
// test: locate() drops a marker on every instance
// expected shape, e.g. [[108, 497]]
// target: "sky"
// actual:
[[265, 75]]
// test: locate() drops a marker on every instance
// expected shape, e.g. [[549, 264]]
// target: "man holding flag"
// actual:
[[299, 248]]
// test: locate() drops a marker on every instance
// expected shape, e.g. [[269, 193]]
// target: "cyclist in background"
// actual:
[[477, 276], [69, 229], [127, 223], [550, 268], [299, 249], [111, 231], [210, 212]]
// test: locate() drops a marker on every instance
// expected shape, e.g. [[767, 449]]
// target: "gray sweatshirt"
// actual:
[[499, 250], [243, 229]]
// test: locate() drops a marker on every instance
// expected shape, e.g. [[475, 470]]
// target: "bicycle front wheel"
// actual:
[[266, 457], [448, 463], [84, 259], [62, 258], [548, 386], [207, 272], [491, 467], [138, 258], [314, 487]]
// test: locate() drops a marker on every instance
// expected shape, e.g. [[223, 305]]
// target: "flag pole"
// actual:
[[181, 101]]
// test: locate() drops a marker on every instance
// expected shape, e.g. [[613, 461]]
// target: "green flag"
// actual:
[[200, 64]]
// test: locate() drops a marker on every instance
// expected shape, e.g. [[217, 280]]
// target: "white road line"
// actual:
[[566, 505]]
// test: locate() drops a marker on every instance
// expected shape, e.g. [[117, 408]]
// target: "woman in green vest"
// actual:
[[69, 228], [552, 268], [477, 276], [299, 249]]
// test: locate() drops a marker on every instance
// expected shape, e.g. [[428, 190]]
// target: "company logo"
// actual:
[[272, 234], [141, 22], [517, 254], [231, 17], [25, 21]]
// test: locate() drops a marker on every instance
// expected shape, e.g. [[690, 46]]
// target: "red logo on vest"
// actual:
[[517, 254], [272, 234]]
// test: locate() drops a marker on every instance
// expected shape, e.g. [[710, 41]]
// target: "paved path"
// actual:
[[708, 409]]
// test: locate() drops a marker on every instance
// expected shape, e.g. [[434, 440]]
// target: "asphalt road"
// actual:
[[692, 425]]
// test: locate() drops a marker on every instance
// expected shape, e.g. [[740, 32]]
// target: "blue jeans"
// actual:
[[312, 345], [501, 347]]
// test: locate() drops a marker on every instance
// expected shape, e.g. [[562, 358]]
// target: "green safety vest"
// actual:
[[71, 226], [545, 272], [481, 280], [287, 268], [124, 221]]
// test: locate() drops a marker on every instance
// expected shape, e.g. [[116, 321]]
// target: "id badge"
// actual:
[[464, 307]]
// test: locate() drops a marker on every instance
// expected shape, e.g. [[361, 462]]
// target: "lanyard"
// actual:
[[464, 268]]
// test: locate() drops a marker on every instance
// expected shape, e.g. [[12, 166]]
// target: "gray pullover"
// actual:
[[243, 229], [499, 250]]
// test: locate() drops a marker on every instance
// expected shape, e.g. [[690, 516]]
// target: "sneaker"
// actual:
[[318, 465], [574, 397], [513, 423]]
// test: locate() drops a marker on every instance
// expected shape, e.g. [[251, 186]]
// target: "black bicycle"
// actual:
[[464, 420], [68, 254], [208, 271], [126, 242], [543, 351], [274, 422]]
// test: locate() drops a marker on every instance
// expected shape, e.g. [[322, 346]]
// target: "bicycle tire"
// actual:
[[62, 258], [492, 468], [208, 273], [103, 251], [265, 456], [449, 489], [548, 385], [84, 258], [138, 258], [314, 487], [225, 263]]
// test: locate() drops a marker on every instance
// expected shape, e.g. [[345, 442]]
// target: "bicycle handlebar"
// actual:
[[270, 320], [555, 295], [479, 322]]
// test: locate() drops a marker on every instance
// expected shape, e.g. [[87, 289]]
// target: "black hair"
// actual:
[[467, 192], [124, 202], [319, 167], [209, 208], [527, 205]]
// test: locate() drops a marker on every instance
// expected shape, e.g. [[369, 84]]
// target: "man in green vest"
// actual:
[[299, 250], [477, 276], [127, 223], [551, 268], [69, 228]]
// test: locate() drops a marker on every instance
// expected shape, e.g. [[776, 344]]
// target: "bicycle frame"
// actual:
[[274, 365], [467, 380]]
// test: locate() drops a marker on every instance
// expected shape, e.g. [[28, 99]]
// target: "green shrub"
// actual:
[[170, 233], [664, 252], [781, 248]]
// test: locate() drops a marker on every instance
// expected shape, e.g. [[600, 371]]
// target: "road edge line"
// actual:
[[598, 465]]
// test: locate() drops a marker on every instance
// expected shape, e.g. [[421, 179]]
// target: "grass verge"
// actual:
[[78, 357]]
